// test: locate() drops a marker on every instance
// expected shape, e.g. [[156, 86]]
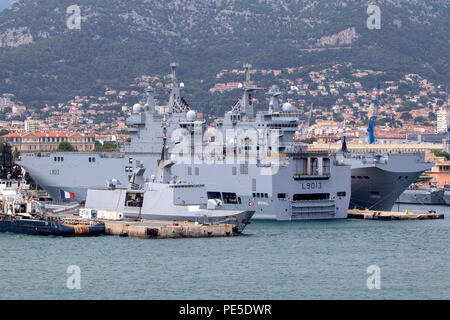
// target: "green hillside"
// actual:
[[44, 62]]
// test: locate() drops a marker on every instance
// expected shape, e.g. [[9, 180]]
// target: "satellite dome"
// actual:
[[191, 115], [287, 106], [137, 108]]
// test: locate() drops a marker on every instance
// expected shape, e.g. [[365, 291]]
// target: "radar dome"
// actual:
[[287, 106], [137, 108], [191, 115]]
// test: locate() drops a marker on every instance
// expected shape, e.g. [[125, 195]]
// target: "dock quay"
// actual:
[[392, 215], [167, 229], [160, 229]]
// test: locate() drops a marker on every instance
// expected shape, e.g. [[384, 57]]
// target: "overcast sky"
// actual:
[[4, 4]]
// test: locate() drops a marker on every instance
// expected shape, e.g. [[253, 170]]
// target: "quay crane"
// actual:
[[371, 129]]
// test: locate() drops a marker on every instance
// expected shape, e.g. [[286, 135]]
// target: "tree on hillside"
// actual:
[[432, 116], [406, 116], [6, 159], [66, 147]]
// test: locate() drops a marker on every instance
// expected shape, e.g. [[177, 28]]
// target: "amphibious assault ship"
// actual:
[[376, 179], [283, 183]]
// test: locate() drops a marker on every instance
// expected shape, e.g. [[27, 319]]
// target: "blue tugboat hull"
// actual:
[[47, 228]]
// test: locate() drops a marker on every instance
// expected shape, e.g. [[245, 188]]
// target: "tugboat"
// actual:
[[18, 214]]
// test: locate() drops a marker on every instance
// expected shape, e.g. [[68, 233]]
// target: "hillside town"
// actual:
[[334, 101]]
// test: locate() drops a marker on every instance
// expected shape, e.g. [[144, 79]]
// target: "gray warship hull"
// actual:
[[434, 197], [166, 202], [329, 195], [378, 180], [447, 197], [373, 187]]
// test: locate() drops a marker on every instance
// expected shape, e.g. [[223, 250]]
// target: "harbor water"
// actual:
[[272, 260]]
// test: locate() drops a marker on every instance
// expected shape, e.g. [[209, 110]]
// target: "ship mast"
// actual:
[[274, 104], [150, 92], [176, 103], [244, 106]]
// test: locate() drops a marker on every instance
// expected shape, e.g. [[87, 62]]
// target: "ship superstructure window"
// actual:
[[311, 196], [91, 159], [341, 194], [189, 171], [282, 196], [134, 199], [214, 195], [229, 197], [260, 195]]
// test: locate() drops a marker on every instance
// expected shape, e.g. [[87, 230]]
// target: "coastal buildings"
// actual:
[[41, 141]]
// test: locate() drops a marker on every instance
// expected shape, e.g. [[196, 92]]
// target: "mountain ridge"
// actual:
[[42, 61]]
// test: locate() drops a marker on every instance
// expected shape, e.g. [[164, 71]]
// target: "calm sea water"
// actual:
[[301, 260]]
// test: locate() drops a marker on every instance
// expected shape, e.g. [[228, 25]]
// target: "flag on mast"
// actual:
[[66, 195]]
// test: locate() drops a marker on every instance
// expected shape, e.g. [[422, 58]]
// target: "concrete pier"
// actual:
[[159, 229], [391, 215], [167, 229]]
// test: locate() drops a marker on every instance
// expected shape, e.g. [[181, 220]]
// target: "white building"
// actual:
[[443, 120], [32, 125]]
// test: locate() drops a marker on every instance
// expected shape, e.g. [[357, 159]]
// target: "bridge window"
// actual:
[[213, 195], [229, 197]]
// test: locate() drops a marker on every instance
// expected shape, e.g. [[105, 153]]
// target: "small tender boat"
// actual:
[[24, 216]]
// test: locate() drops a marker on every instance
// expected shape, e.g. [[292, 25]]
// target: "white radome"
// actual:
[[287, 106], [137, 108], [191, 115]]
